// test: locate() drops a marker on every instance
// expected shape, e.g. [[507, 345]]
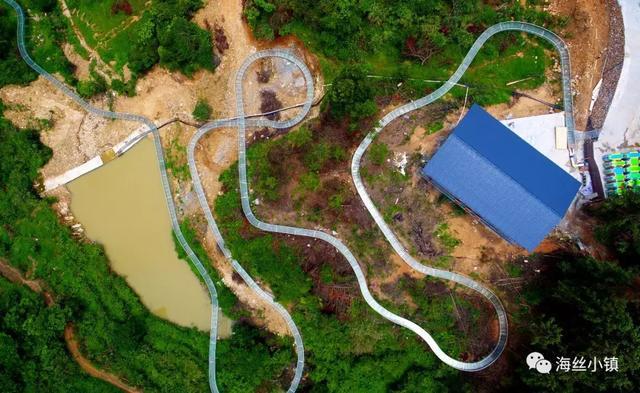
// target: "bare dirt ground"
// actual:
[[407, 136], [82, 66], [73, 135], [587, 36], [523, 106], [76, 137], [286, 80]]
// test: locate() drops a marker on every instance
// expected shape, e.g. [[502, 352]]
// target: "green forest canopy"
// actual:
[[163, 35], [116, 332], [413, 40]]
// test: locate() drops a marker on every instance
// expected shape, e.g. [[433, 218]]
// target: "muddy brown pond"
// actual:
[[121, 205]]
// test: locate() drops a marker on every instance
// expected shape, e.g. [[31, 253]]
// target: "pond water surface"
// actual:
[[122, 206]]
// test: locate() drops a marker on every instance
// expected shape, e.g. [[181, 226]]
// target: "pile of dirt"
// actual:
[[614, 58], [587, 35], [269, 102], [265, 72]]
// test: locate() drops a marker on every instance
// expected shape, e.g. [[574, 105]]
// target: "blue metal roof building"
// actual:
[[512, 187]]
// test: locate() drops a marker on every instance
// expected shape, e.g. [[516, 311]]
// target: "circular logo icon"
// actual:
[[533, 358], [543, 366]]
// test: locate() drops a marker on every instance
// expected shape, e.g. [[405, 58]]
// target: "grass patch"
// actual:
[[445, 237], [505, 57], [514, 270], [434, 127], [456, 209], [98, 17], [176, 160], [202, 111]]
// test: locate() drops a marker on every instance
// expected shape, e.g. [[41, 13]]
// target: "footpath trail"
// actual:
[[88, 367], [241, 122]]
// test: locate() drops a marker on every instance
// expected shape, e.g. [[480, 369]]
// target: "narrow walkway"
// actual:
[[88, 367]]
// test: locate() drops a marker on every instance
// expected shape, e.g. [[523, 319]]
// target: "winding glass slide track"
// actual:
[[355, 167], [562, 49], [213, 334], [241, 122]]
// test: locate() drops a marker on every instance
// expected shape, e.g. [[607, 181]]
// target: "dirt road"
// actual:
[[587, 35], [88, 367]]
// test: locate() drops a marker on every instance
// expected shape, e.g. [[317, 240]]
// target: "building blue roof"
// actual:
[[515, 189]]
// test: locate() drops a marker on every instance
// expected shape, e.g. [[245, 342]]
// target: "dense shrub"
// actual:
[[185, 47], [619, 226], [45, 33], [582, 307], [351, 94], [115, 330], [202, 111]]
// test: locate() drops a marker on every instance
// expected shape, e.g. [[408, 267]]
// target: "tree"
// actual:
[[619, 226], [421, 49], [202, 111], [145, 47], [33, 356], [300, 138], [258, 13], [185, 47], [121, 6], [584, 309], [351, 94]]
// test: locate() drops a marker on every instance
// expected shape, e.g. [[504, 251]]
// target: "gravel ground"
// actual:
[[612, 67]]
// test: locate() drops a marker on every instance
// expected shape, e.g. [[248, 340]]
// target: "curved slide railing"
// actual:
[[202, 199], [172, 211], [241, 122], [458, 278], [559, 44]]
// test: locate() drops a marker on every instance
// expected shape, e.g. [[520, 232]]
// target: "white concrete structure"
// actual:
[[540, 132], [96, 162], [621, 128], [73, 173], [561, 138], [131, 140]]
